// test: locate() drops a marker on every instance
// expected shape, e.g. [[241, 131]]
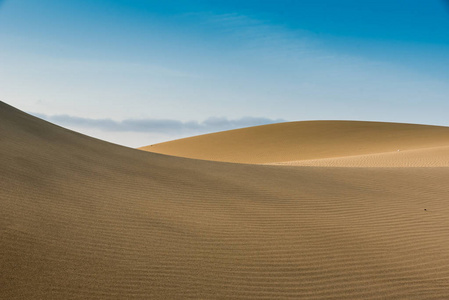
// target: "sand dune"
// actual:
[[85, 219], [311, 140], [427, 157]]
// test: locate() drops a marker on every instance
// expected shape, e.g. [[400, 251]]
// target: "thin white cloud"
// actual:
[[259, 36], [159, 126]]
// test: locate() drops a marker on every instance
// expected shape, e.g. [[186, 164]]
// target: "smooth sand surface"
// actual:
[[426, 157], [85, 219], [308, 140]]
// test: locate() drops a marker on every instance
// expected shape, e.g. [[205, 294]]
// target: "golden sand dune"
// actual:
[[85, 219], [295, 141], [427, 157]]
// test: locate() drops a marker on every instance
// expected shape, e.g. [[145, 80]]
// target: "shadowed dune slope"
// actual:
[[306, 140], [85, 219]]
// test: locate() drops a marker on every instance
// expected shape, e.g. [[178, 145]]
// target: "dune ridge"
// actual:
[[306, 140], [85, 219]]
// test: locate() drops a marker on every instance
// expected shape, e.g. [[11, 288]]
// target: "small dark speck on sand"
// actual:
[[425, 209]]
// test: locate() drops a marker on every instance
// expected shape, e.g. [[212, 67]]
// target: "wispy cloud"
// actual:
[[160, 126], [261, 36]]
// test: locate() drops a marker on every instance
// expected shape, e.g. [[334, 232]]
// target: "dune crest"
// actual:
[[85, 219], [308, 140]]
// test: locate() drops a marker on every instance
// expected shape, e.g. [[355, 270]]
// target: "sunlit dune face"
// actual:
[[351, 143]]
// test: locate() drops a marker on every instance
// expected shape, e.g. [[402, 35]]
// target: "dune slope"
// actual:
[[85, 219], [295, 141], [425, 157]]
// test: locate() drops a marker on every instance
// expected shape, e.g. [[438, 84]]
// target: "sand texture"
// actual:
[[426, 157], [85, 219], [308, 140]]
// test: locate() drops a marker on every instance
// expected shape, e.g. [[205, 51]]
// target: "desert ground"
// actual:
[[302, 210], [319, 143]]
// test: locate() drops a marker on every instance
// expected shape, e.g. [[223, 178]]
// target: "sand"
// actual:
[[85, 219], [426, 157], [295, 141]]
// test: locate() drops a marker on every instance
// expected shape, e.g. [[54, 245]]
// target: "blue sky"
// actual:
[[138, 72]]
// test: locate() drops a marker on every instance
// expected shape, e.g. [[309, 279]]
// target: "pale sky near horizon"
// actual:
[[138, 72]]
